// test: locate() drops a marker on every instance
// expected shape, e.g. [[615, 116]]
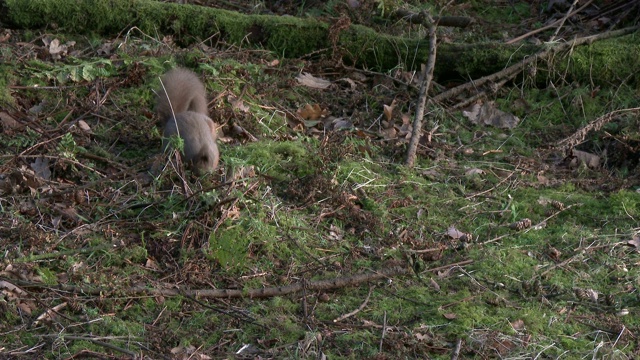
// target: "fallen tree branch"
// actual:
[[512, 70], [595, 125], [317, 285]]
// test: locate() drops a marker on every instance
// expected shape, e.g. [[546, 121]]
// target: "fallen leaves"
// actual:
[[488, 114], [313, 82], [56, 49], [635, 241], [454, 233], [9, 123], [312, 112]]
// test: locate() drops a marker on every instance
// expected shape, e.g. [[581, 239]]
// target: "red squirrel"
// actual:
[[181, 105]]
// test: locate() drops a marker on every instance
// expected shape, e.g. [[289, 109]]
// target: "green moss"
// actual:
[[278, 159], [610, 57]]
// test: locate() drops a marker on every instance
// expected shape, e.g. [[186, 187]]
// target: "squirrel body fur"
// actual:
[[182, 107]]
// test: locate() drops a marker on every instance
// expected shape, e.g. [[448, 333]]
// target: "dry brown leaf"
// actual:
[[543, 180], [488, 114], [25, 308], [474, 171], [311, 112], [454, 233], [237, 103], [84, 127], [6, 35], [8, 123], [388, 110], [151, 264], [233, 213], [635, 241], [517, 325], [41, 168], [50, 314], [554, 253], [311, 81], [389, 134], [450, 316], [352, 84], [67, 211], [434, 284], [56, 49]]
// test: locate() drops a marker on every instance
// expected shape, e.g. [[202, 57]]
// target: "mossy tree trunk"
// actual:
[[293, 37]]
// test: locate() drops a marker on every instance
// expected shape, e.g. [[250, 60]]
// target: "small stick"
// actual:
[[515, 40], [384, 330], [563, 20], [456, 350], [364, 303]]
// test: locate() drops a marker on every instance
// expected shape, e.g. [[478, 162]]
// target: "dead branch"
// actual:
[[318, 285], [427, 76], [579, 136], [511, 71], [543, 222], [564, 19], [559, 21]]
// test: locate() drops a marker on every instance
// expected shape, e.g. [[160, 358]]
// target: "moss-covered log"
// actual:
[[293, 37]]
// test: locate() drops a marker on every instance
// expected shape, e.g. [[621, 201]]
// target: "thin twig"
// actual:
[[563, 20], [384, 331], [538, 225], [362, 306], [515, 69], [548, 26]]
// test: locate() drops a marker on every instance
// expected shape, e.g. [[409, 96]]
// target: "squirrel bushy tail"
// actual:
[[182, 92]]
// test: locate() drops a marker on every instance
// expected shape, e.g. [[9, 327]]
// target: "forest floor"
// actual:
[[313, 240]]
